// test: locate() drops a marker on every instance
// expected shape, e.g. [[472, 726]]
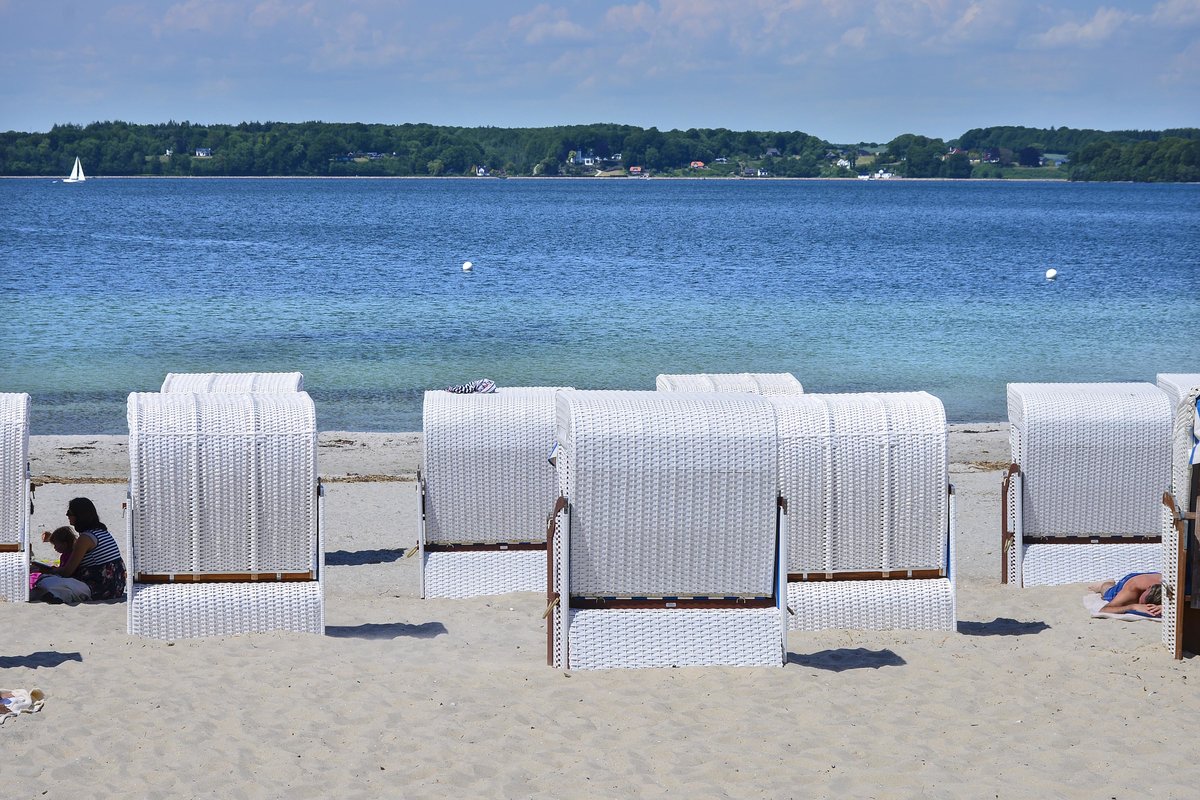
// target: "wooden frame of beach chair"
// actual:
[[764, 383], [869, 511], [233, 382], [225, 515], [664, 543], [1080, 500], [15, 497], [483, 491], [1181, 533]]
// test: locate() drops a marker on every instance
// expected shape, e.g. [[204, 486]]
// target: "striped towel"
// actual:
[[481, 386]]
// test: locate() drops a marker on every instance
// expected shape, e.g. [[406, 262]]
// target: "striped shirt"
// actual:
[[106, 549]]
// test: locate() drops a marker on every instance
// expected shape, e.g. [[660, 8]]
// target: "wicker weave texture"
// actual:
[[556, 577], [14, 468], [1094, 456], [474, 573], [223, 482], [674, 638], [178, 611], [14, 577], [1182, 441], [865, 478], [487, 479], [1178, 385], [764, 383], [236, 382], [14, 495], [1054, 564], [918, 604], [664, 487]]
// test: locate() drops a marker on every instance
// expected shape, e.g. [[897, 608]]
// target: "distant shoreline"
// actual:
[[557, 178]]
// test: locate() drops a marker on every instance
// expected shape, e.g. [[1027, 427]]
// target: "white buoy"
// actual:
[[1051, 274], [468, 266]]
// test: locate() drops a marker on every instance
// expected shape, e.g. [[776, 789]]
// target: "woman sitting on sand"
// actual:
[[95, 558]]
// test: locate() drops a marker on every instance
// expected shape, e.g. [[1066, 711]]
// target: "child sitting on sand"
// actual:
[[54, 588], [62, 540]]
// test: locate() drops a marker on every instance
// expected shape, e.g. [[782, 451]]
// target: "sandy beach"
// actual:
[[403, 697]]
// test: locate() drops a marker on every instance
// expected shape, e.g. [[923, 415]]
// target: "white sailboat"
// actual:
[[77, 175]]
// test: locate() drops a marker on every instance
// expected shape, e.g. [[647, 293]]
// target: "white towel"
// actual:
[[66, 590], [1094, 602], [22, 701]]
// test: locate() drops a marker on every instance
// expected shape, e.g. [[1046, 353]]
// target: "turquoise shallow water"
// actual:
[[358, 283]]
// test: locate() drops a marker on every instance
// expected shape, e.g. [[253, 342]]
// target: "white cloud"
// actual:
[[547, 25], [200, 15], [1097, 30], [1177, 12], [1183, 67], [355, 41], [269, 13]]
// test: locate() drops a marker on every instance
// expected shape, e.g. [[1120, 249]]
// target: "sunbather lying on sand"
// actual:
[[1139, 592]]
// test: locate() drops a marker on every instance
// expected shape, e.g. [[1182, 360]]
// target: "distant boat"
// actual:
[[77, 175]]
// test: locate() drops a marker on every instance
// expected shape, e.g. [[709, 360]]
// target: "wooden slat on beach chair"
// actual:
[[1181, 534]]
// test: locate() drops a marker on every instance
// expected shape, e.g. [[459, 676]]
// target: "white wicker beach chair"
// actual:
[[1181, 533], [233, 382], [1089, 463], [14, 497], [869, 512], [485, 488], [224, 530], [764, 383], [664, 542], [1178, 385]]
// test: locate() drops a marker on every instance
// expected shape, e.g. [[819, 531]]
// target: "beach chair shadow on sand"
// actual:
[[224, 525], [387, 630], [1181, 538], [868, 511], [1080, 501], [664, 542], [846, 659], [484, 489], [14, 497]]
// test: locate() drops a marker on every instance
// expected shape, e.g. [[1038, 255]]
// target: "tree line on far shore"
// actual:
[[358, 149]]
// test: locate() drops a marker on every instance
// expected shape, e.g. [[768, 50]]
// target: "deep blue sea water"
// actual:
[[851, 285]]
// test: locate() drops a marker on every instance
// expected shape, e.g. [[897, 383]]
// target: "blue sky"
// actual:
[[843, 70]]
